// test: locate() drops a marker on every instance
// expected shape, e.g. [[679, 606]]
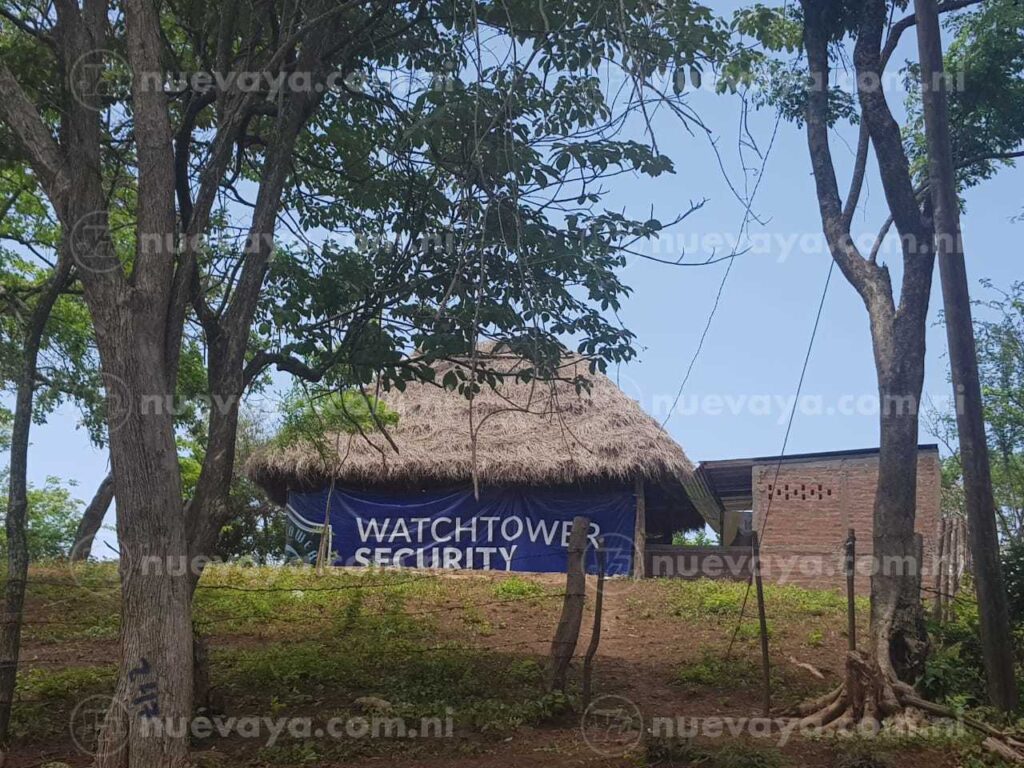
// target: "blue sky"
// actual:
[[737, 398]]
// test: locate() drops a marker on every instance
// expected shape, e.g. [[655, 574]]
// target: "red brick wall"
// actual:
[[813, 505]]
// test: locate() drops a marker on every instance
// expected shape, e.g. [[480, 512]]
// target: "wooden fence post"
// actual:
[[940, 565], [956, 568], [765, 668], [568, 631], [595, 635], [640, 533], [851, 604]]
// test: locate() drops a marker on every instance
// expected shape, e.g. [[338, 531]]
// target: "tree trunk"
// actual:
[[153, 697], [17, 499], [899, 639], [91, 520], [993, 613]]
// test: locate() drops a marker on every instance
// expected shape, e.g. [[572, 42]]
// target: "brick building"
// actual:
[[809, 505]]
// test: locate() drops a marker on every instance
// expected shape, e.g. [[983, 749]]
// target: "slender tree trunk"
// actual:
[[993, 614], [17, 500], [92, 519]]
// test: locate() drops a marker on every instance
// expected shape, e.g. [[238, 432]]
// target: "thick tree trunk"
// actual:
[[17, 499], [92, 519], [898, 634], [153, 698]]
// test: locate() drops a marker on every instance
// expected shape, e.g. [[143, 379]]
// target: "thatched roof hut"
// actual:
[[521, 434]]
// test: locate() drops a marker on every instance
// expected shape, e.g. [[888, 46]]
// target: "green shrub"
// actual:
[[1013, 574], [699, 538], [954, 672]]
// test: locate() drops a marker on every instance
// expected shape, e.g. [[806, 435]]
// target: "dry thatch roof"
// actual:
[[536, 433]]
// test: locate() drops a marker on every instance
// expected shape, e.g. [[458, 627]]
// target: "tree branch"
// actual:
[[44, 155], [864, 277], [901, 26], [154, 262]]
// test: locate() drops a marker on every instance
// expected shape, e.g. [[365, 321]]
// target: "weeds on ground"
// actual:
[[516, 588], [702, 598], [46, 697], [712, 669]]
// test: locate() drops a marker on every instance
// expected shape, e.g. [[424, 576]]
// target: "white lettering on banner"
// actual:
[[490, 525], [546, 528], [450, 558], [424, 539], [433, 529], [371, 529], [470, 529], [504, 528], [401, 529]]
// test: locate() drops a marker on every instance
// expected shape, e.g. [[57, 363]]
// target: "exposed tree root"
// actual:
[[870, 697]]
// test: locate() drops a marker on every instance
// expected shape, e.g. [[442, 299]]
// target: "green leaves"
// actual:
[[462, 198], [776, 29], [319, 415], [52, 518], [984, 65]]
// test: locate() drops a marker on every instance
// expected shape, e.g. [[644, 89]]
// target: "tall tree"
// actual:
[[476, 134], [806, 91], [899, 641], [980, 504], [1000, 342]]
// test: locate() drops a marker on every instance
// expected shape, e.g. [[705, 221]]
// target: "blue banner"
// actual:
[[505, 530]]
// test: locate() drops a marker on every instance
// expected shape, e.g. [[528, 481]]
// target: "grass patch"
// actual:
[[712, 670], [45, 698], [705, 597], [751, 630], [516, 588], [477, 622], [708, 598], [295, 601]]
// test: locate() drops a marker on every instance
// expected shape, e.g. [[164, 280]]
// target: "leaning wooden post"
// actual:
[[939, 568], [957, 545], [851, 605], [640, 532], [595, 635], [945, 581], [568, 630], [765, 668]]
